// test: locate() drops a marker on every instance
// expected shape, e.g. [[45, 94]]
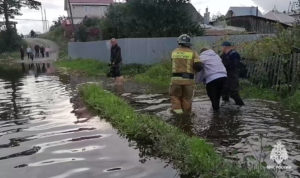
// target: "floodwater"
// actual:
[[46, 132], [245, 134]]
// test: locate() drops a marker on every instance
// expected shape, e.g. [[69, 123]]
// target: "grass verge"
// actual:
[[10, 55], [253, 92], [87, 66], [193, 156], [158, 75]]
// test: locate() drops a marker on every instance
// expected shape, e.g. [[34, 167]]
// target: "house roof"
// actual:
[[92, 1], [88, 2], [244, 11], [280, 17]]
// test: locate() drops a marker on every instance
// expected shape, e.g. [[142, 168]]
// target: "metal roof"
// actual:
[[280, 17], [244, 11]]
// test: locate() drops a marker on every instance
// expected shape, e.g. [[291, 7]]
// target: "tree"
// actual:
[[151, 18], [11, 8]]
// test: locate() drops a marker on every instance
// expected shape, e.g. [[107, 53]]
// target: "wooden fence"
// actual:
[[278, 72]]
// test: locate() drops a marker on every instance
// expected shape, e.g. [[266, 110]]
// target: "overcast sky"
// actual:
[[55, 8]]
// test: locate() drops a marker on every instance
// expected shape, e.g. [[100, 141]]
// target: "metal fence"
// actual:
[[279, 72], [144, 50]]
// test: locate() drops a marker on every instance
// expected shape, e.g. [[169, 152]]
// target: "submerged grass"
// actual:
[[193, 156]]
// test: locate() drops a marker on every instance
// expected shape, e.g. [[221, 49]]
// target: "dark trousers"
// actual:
[[231, 90], [214, 91]]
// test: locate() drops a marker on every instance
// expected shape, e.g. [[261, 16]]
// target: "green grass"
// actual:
[[293, 102], [158, 75], [10, 55], [97, 68], [251, 91], [84, 66], [193, 156]]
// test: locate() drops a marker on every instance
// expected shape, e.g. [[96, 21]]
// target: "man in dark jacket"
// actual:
[[37, 51], [231, 60], [116, 60], [22, 52]]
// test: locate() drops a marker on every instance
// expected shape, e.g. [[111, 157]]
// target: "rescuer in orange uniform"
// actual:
[[185, 63]]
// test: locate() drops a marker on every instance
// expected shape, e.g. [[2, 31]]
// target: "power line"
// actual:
[[31, 20]]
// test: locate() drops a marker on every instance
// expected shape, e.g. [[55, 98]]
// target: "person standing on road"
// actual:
[[185, 62], [231, 60], [29, 51], [37, 51], [22, 53], [42, 49], [116, 61], [47, 51], [214, 75]]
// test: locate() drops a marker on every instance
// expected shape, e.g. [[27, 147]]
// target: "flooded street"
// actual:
[[46, 132], [245, 134]]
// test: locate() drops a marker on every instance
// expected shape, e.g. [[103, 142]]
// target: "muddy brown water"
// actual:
[[46, 132]]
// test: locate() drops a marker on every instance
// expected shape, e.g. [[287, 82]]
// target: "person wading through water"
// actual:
[[116, 61], [231, 60], [185, 63], [214, 75]]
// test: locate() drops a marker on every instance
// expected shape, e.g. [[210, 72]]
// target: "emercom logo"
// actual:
[[279, 154]]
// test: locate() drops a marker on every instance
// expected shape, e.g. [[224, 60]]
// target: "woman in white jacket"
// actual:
[[213, 75]]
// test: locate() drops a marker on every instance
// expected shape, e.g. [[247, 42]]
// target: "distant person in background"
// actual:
[[29, 51], [47, 51], [37, 50], [22, 53], [231, 60], [116, 61], [31, 56], [42, 49]]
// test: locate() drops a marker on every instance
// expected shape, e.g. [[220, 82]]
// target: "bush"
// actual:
[[285, 42], [10, 41], [152, 18], [89, 30]]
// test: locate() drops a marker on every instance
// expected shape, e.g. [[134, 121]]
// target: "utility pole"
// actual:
[[42, 18], [71, 14], [46, 25]]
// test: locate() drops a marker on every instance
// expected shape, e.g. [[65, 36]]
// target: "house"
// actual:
[[280, 17], [3, 26], [86, 8], [252, 20], [255, 24], [243, 11]]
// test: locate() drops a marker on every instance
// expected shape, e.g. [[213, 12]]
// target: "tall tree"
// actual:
[[152, 18], [11, 8]]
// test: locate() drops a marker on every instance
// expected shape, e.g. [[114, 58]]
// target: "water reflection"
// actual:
[[44, 125]]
